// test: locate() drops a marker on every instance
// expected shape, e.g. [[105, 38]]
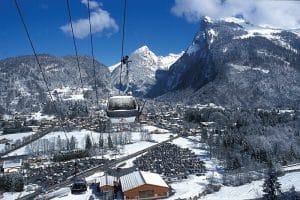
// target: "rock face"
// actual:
[[233, 63], [144, 70], [23, 89]]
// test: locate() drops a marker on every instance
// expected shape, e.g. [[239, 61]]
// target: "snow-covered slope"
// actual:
[[232, 62], [23, 90], [144, 69]]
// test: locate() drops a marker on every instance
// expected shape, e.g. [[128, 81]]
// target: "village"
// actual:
[[95, 159], [41, 172]]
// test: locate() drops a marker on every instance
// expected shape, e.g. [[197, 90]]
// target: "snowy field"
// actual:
[[195, 184], [81, 135], [254, 189], [39, 116], [14, 137], [137, 145], [292, 167]]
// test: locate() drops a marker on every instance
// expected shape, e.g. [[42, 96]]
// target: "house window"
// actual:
[[147, 193]]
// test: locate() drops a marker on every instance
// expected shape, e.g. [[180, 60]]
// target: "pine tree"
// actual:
[[88, 143], [73, 143], [101, 142], [293, 193], [271, 186], [59, 143], [204, 135], [110, 143]]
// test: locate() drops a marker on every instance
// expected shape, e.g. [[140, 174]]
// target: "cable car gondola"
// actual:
[[122, 109], [79, 186]]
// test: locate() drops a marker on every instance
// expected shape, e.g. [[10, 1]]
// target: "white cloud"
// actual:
[[93, 4], [282, 14], [100, 21]]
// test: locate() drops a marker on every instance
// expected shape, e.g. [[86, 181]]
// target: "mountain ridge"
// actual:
[[235, 63], [142, 69]]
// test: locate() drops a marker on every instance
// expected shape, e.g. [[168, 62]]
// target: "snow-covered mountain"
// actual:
[[23, 89], [144, 69], [234, 63]]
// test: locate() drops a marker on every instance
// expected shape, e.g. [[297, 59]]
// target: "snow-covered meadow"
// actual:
[[134, 146]]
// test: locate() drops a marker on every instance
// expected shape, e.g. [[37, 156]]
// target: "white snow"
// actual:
[[265, 53], [195, 184], [212, 34], [80, 136], [143, 56], [254, 189], [69, 93], [113, 67], [208, 19], [153, 179], [261, 70], [165, 62], [153, 128], [266, 32], [193, 49], [189, 187], [263, 32], [13, 195], [65, 193], [242, 68], [39, 116], [209, 105], [234, 20], [292, 167], [16, 136]]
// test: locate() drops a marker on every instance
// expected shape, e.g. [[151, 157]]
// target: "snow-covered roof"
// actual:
[[12, 163], [106, 180], [139, 178]]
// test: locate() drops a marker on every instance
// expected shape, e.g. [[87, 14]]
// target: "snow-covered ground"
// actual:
[[195, 184], [137, 145], [66, 195], [15, 195], [39, 116], [80, 136], [254, 189], [14, 137], [292, 167], [242, 68]]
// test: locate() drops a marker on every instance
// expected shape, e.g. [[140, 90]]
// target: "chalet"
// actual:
[[143, 185], [106, 183], [12, 165]]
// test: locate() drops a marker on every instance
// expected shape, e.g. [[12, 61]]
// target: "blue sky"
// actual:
[[149, 22], [166, 26]]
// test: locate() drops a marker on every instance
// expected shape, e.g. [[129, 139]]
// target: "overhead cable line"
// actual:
[[40, 66], [93, 56], [76, 50], [123, 41]]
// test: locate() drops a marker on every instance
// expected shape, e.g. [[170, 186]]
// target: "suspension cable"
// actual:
[[123, 41], [75, 48], [93, 56], [40, 67]]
